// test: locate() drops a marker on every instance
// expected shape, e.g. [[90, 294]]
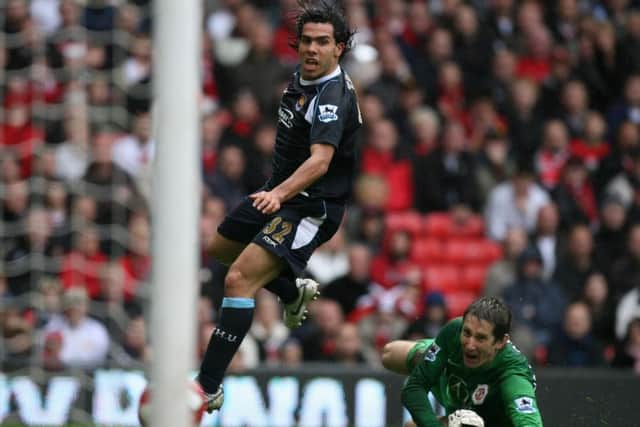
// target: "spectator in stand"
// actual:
[[534, 63], [391, 266], [137, 67], [537, 305], [425, 129], [445, 177], [576, 262], [503, 273], [546, 238], [260, 71], [135, 151], [318, 337], [267, 328], [553, 154], [629, 107], [524, 118], [227, 182], [349, 349], [551, 88], [330, 260], [625, 272], [472, 42], [81, 267], [592, 147], [575, 195], [514, 203], [630, 41], [432, 320], [494, 164], [73, 155], [31, 257], [575, 107], [134, 352], [437, 49], [620, 159], [136, 264], [365, 220], [348, 289], [598, 298], [56, 203], [113, 188], [575, 345], [16, 336], [18, 132], [503, 76], [611, 236], [75, 340], [383, 156], [260, 157], [628, 350]]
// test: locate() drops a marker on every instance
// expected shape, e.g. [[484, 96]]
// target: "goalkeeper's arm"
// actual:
[[413, 398]]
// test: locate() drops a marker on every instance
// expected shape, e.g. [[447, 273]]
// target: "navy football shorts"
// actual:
[[292, 233]]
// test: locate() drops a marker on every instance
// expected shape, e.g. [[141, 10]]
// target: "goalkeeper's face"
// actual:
[[479, 346]]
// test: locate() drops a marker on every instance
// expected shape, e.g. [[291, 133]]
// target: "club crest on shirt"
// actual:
[[300, 102], [432, 352], [524, 405], [327, 113], [480, 394]]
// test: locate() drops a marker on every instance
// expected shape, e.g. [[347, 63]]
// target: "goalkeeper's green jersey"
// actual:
[[502, 391]]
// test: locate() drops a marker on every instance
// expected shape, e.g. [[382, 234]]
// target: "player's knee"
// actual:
[[235, 284]]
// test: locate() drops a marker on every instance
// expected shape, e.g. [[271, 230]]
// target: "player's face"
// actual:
[[478, 343], [317, 50]]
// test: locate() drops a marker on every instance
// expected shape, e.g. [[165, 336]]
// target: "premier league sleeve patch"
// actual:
[[432, 352], [524, 405], [327, 113]]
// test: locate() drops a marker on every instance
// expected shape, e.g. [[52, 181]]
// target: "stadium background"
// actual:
[[465, 105]]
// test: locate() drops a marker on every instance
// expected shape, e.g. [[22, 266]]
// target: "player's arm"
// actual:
[[420, 381], [520, 397], [307, 173]]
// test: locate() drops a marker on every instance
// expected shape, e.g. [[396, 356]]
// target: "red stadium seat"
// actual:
[[471, 251], [408, 221], [427, 251], [472, 277], [438, 225], [492, 251], [444, 278], [457, 302], [472, 228]]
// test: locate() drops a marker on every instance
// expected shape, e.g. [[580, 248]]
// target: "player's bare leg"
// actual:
[[254, 267], [394, 356], [225, 250]]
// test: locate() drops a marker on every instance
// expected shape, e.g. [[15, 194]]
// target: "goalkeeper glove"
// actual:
[[465, 418]]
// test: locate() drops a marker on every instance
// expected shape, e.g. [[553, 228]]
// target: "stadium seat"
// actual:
[[408, 221], [438, 225], [471, 251], [473, 228], [427, 251], [472, 277], [444, 278], [457, 302]]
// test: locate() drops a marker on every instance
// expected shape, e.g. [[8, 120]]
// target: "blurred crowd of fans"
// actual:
[[500, 156]]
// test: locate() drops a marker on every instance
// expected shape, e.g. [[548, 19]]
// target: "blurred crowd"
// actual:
[[500, 156]]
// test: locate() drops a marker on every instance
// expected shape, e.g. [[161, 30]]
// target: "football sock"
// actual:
[[284, 287], [235, 320]]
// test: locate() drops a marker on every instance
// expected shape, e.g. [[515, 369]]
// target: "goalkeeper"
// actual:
[[472, 369]]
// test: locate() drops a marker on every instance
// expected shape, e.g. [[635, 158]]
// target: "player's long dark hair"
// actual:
[[324, 11], [492, 310]]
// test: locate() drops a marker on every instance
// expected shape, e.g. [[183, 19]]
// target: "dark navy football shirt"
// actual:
[[322, 111]]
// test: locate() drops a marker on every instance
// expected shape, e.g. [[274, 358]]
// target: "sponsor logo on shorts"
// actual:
[[432, 352], [524, 405], [480, 394], [327, 113], [270, 241]]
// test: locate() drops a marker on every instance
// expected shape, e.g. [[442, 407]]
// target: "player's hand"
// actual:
[[465, 418], [266, 202]]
